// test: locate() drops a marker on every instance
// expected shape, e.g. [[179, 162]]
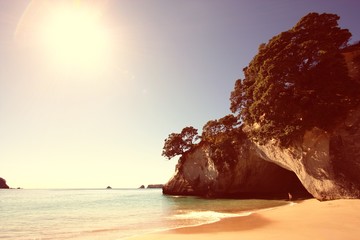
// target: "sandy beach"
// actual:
[[309, 219]]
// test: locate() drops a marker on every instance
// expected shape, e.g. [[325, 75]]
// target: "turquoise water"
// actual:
[[108, 214]]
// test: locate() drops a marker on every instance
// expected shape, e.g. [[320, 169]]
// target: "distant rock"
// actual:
[[141, 187], [155, 186], [108, 187], [3, 183]]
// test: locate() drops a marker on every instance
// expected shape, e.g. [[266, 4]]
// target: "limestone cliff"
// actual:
[[323, 164], [326, 164], [247, 176]]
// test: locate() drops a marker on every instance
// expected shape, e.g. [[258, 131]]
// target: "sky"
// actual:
[[90, 89]]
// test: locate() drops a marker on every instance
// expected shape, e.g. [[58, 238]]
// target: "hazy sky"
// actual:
[[89, 90]]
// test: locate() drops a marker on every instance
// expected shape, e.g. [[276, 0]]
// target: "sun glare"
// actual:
[[74, 37], [71, 34]]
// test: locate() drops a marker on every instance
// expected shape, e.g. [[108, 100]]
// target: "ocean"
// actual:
[[108, 214]]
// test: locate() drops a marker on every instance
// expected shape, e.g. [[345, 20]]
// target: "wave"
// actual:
[[197, 218], [206, 217]]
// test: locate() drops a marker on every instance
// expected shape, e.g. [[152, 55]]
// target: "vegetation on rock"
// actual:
[[179, 143], [223, 135], [306, 78], [297, 81]]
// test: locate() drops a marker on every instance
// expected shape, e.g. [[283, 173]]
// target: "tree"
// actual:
[[221, 126], [297, 80], [179, 143]]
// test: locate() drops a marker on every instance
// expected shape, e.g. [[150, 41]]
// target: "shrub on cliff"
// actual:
[[213, 128], [223, 135], [297, 81], [179, 143]]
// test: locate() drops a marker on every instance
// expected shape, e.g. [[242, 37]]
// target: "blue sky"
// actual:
[[93, 109]]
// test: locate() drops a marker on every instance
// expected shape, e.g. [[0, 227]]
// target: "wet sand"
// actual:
[[310, 219]]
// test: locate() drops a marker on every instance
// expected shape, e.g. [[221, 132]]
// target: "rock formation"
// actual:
[[249, 176], [323, 164], [3, 183], [155, 186], [326, 164]]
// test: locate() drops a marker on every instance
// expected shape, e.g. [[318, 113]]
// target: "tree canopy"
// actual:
[[219, 126], [297, 80], [179, 143]]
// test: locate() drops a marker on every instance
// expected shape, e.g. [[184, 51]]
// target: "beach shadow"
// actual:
[[227, 225]]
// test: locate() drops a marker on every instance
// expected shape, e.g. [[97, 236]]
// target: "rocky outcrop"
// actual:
[[323, 164], [178, 185], [247, 176], [326, 164], [3, 183], [155, 186]]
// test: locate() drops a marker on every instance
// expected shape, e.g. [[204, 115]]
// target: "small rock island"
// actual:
[[3, 184], [155, 186]]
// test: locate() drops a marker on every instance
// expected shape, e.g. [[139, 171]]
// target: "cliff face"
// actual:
[[326, 164], [323, 164], [247, 176], [3, 183]]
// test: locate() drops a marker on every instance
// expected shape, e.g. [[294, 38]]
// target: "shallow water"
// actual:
[[108, 214]]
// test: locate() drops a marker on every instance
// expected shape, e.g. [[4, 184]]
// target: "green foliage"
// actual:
[[224, 136], [297, 80], [215, 127], [179, 143], [225, 148]]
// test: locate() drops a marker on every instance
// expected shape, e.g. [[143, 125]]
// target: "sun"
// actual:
[[71, 34], [74, 36]]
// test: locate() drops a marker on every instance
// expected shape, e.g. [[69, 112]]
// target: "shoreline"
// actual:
[[235, 214], [338, 219]]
